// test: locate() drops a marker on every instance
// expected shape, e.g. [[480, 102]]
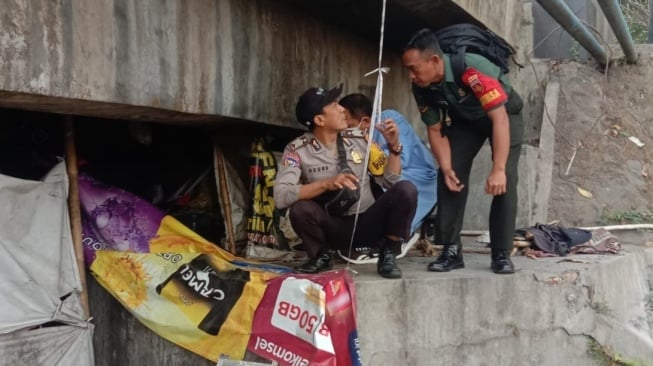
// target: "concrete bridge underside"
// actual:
[[208, 61]]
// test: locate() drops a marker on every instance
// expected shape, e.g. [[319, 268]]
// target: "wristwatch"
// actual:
[[396, 149]]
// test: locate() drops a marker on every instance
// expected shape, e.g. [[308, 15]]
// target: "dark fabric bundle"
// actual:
[[555, 239]]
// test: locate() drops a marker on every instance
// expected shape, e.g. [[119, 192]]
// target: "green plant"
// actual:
[[605, 356], [574, 51], [626, 217], [636, 14], [600, 308], [598, 354], [513, 328]]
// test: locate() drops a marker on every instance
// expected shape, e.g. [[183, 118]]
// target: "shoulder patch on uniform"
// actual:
[[297, 143], [316, 144], [292, 159], [354, 133], [487, 90]]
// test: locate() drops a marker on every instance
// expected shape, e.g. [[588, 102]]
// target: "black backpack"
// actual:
[[457, 39]]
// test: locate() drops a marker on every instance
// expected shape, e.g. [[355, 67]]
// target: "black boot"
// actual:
[[387, 266], [319, 263], [450, 258], [501, 262]]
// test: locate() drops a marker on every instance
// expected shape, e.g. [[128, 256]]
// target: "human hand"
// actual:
[[390, 131], [342, 180], [496, 182], [452, 181]]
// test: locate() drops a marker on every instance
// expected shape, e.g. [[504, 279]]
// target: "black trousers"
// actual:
[[466, 139], [391, 214]]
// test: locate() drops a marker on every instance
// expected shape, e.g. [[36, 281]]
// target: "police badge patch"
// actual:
[[356, 156], [291, 158]]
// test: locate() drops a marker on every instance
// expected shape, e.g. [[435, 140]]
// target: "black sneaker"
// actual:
[[321, 262]]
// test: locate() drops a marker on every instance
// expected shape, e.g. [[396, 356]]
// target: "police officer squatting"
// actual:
[[462, 107], [322, 177]]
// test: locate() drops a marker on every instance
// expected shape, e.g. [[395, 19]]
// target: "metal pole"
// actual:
[[650, 21], [615, 17], [559, 10]]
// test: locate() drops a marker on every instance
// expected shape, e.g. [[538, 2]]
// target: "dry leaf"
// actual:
[[554, 280], [585, 193], [644, 172]]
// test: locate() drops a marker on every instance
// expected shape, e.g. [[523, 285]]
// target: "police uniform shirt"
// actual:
[[306, 160], [461, 103]]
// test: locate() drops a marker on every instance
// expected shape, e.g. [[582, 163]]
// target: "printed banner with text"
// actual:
[[184, 288], [201, 297], [315, 315]]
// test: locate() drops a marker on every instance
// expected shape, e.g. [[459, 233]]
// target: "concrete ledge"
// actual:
[[546, 314]]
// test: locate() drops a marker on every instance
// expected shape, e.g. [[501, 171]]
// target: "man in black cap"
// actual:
[[322, 177]]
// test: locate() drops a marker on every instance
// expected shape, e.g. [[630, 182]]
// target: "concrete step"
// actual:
[[553, 311]]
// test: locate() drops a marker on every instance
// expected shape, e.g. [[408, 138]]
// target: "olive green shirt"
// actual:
[[447, 97]]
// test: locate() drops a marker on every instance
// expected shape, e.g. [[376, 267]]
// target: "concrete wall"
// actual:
[[120, 339], [239, 59], [504, 20], [180, 61]]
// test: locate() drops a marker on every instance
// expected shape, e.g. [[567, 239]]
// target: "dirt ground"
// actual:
[[597, 114]]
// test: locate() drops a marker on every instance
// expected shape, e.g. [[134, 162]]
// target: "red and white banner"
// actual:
[[307, 320]]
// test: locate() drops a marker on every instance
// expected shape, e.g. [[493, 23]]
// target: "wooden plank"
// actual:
[[74, 210]]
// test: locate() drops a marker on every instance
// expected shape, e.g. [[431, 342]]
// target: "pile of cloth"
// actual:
[[550, 240]]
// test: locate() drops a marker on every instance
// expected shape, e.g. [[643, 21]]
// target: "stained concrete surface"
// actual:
[[223, 59], [549, 313]]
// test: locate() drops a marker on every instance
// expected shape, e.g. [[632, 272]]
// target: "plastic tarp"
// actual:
[[41, 317]]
